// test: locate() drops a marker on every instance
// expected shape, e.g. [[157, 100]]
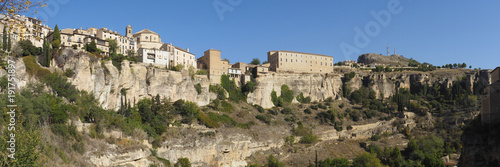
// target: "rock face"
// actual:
[[224, 149], [322, 86], [481, 146], [318, 86], [373, 58], [138, 80]]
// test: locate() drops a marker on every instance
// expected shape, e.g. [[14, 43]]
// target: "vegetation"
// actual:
[[235, 93], [285, 98], [255, 61], [198, 88]]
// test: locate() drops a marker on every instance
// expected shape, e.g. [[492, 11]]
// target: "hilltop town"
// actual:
[[106, 99]]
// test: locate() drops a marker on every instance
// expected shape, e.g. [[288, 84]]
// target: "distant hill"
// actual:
[[373, 58]]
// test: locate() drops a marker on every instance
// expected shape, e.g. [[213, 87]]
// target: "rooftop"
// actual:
[[301, 53]]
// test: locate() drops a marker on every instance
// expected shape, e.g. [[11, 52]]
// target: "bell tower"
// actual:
[[128, 31]]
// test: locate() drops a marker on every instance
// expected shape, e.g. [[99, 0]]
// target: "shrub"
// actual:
[[69, 73], [183, 162], [221, 93], [32, 67], [264, 118], [375, 137], [204, 119], [259, 108], [249, 87], [227, 107], [286, 111], [307, 111], [309, 138], [198, 88], [235, 93], [286, 94], [201, 72]]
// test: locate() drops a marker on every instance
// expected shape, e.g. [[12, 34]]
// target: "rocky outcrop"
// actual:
[[138, 80], [481, 145], [317, 86], [322, 86], [373, 58]]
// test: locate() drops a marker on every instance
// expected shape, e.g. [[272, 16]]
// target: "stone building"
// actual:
[[24, 28], [179, 56], [148, 39], [215, 66], [490, 108], [299, 62]]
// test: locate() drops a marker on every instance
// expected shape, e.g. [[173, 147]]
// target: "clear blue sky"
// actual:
[[438, 32]]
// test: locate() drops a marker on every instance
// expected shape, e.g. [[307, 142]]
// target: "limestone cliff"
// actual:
[[139, 80]]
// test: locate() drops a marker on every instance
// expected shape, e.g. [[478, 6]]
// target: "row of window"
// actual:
[[297, 60], [297, 55]]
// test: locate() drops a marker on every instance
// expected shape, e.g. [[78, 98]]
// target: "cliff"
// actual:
[[481, 145], [322, 86], [139, 80]]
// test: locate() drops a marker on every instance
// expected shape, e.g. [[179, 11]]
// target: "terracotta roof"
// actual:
[[302, 53]]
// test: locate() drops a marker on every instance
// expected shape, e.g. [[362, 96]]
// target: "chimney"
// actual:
[[187, 49]]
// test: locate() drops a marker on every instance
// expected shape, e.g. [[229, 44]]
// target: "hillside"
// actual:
[[88, 112], [394, 60]]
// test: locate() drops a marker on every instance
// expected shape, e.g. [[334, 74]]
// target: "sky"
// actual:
[[438, 31]]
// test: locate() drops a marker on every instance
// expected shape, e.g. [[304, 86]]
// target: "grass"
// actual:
[[33, 68]]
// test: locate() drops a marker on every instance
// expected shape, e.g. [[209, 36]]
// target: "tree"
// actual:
[[12, 7], [273, 162], [366, 160], [46, 53], [113, 46], [56, 38], [9, 44], [4, 46], [255, 61], [183, 162], [265, 62]]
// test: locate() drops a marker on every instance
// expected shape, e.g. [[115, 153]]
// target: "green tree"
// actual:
[[183, 162], [255, 61], [113, 46], [4, 38], [9, 43], [366, 160], [45, 54], [337, 162], [273, 162], [286, 93], [56, 38]]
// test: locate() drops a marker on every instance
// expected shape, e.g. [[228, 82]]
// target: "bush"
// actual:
[[227, 107], [32, 67], [259, 108], [204, 119], [201, 72], [183, 162], [219, 90], [235, 93], [249, 87], [198, 88], [307, 111], [309, 138], [69, 73], [286, 111], [286, 94], [264, 118]]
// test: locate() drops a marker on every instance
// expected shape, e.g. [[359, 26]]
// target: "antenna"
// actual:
[[387, 49], [394, 50]]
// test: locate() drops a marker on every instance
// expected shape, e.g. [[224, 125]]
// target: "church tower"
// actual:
[[128, 31]]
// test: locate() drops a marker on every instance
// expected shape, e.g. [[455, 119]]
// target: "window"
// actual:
[[281, 59], [146, 37]]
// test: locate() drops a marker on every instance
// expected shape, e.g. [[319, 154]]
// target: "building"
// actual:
[[77, 38], [490, 108], [148, 39], [179, 56], [157, 57], [125, 43], [299, 62], [24, 28], [214, 65]]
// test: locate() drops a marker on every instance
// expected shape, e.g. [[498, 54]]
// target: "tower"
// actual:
[[128, 31]]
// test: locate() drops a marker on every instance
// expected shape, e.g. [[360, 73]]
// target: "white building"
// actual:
[[156, 57], [25, 28]]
